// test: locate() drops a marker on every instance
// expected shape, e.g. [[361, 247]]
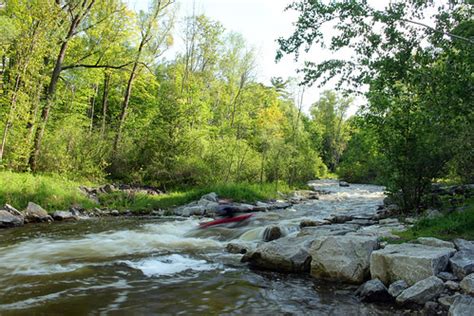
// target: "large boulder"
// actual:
[[36, 214], [422, 291], [373, 291], [467, 284], [342, 258], [463, 305], [288, 254], [409, 262], [8, 220], [462, 263]]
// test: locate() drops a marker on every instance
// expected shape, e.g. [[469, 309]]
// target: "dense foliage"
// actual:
[[86, 92], [416, 60]]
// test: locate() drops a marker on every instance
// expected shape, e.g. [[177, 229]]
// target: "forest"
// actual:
[[86, 93]]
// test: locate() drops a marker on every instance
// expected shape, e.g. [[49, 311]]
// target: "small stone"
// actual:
[[272, 233], [411, 220], [311, 223], [430, 308], [114, 213], [422, 291], [446, 276], [35, 213], [447, 301], [64, 216], [434, 242], [462, 263], [452, 285], [211, 197], [463, 305], [8, 220], [462, 244], [373, 291], [343, 184], [389, 221], [237, 248], [467, 284], [397, 287], [340, 219]]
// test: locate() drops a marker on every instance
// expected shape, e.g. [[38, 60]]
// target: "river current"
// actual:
[[167, 266]]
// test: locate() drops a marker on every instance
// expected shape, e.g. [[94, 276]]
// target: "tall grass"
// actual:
[[50, 191], [457, 224]]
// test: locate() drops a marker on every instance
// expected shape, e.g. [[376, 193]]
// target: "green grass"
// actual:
[[447, 227], [50, 191], [53, 192], [238, 192]]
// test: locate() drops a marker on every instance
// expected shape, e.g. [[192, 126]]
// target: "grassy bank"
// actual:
[[50, 191], [55, 193], [238, 192], [456, 224]]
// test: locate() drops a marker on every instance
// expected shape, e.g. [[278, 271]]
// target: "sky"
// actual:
[[261, 22]]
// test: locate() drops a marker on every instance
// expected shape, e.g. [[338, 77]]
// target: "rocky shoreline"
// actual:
[[427, 274]]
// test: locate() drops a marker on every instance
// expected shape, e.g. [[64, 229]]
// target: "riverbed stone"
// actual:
[[210, 197], [462, 244], [327, 230], [467, 284], [409, 262], [342, 258], [272, 232], [8, 220], [287, 254], [434, 242], [35, 213], [422, 291], [463, 305], [10, 209], [312, 223], [446, 276], [238, 247], [447, 300], [452, 285], [64, 216], [462, 263], [397, 287], [373, 291]]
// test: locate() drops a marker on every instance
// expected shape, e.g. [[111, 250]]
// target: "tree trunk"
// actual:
[[105, 102]]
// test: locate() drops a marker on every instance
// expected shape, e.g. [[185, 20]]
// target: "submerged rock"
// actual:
[[397, 287], [422, 291], [238, 248], [373, 291], [463, 305], [35, 214], [342, 258], [409, 262], [288, 254], [462, 263]]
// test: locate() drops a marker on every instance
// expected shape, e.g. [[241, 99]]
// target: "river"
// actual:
[[123, 266]]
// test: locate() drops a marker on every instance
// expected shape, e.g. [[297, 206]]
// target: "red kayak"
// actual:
[[226, 220]]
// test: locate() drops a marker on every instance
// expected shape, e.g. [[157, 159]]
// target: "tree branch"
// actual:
[[441, 32], [96, 66]]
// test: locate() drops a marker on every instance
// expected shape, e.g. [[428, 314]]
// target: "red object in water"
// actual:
[[226, 220]]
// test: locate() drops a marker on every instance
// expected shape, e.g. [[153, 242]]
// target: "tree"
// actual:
[[418, 77]]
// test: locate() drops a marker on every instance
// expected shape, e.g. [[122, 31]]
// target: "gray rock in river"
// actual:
[[409, 262], [238, 247], [36, 214], [373, 291], [397, 287], [462, 263], [467, 284], [288, 254], [342, 258], [8, 220], [463, 305], [64, 216], [422, 291], [272, 232]]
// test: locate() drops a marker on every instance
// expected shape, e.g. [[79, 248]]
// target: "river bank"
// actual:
[[328, 238]]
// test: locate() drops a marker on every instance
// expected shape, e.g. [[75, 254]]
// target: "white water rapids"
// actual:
[[151, 265]]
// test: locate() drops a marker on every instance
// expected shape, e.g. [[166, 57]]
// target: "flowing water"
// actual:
[[168, 266]]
